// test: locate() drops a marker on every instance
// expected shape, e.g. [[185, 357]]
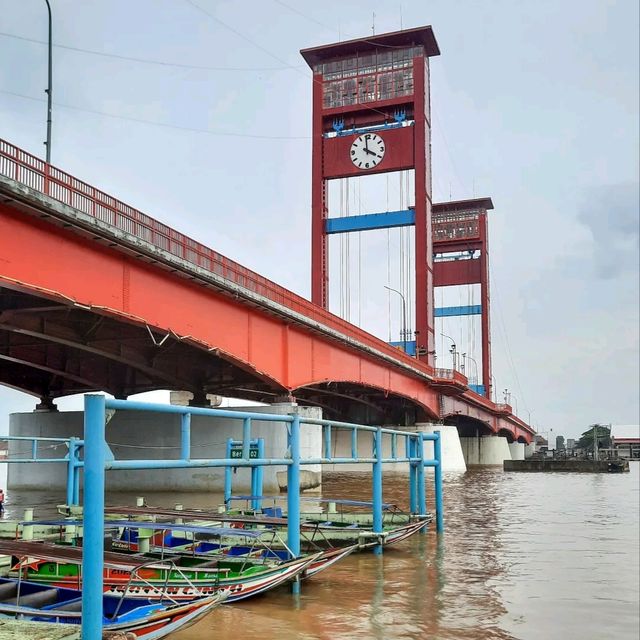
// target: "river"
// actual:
[[525, 556]]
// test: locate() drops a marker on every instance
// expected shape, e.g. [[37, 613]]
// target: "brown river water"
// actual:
[[524, 556]]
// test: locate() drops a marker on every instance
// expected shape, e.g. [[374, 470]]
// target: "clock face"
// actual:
[[367, 151]]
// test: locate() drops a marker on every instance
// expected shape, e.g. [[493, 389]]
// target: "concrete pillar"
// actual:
[[129, 432], [485, 450], [529, 450], [452, 456], [517, 450]]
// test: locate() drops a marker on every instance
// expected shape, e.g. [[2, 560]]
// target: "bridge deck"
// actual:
[[31, 185]]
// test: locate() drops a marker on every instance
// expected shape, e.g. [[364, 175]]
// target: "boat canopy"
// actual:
[[349, 503], [73, 555], [159, 526]]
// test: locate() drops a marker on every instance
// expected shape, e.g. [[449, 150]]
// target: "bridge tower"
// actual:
[[461, 257], [371, 114]]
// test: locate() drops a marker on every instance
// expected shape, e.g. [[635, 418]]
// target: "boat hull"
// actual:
[[153, 583]]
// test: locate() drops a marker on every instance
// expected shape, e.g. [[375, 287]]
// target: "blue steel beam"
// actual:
[[467, 310], [477, 388], [411, 346], [370, 221]]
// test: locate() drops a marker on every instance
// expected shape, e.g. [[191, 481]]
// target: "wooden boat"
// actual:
[[174, 539], [180, 578], [122, 616], [253, 547], [317, 530]]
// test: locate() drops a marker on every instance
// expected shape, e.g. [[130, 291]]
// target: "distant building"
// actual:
[[541, 444], [571, 443], [625, 439]]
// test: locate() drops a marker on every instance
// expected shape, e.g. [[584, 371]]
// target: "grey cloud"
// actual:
[[611, 215]]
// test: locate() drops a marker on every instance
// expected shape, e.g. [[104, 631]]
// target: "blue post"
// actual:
[[422, 496], [293, 493], [71, 470], [76, 476], [377, 487], [246, 438], [76, 486], [413, 476], [354, 444], [327, 440], [437, 450], [256, 489], [228, 474], [93, 546], [185, 436]]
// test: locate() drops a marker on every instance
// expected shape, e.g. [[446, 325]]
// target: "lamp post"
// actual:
[[404, 317], [507, 398], [49, 90], [452, 351], [466, 355]]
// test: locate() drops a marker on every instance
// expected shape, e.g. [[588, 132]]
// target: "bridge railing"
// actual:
[[34, 173], [450, 374]]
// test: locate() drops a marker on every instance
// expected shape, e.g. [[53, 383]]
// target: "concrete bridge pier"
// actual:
[[452, 455], [517, 450], [485, 450]]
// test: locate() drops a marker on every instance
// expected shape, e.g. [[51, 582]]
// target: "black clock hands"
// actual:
[[366, 148]]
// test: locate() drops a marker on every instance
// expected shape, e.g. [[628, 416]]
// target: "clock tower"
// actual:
[[371, 114]]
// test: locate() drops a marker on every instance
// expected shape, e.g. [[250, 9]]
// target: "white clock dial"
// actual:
[[367, 151]]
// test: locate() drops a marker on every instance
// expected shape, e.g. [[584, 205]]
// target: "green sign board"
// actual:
[[236, 453]]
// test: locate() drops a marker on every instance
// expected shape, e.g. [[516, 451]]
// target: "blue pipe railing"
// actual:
[[72, 459], [97, 459]]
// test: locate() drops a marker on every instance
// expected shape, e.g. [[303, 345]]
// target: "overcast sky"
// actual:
[[535, 104]]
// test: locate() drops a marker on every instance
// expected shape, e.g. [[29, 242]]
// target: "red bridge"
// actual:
[[96, 295], [99, 296]]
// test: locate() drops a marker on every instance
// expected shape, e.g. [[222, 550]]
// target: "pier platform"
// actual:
[[569, 465]]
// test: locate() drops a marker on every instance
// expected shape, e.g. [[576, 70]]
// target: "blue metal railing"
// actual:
[[98, 459], [72, 459]]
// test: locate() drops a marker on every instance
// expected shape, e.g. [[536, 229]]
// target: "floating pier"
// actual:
[[568, 465]]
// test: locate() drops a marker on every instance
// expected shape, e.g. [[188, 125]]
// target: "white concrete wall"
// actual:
[[137, 435], [452, 456], [529, 450], [517, 450], [453, 460], [485, 450]]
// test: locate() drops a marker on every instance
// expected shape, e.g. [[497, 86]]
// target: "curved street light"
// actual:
[[404, 317], [466, 355], [452, 351]]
